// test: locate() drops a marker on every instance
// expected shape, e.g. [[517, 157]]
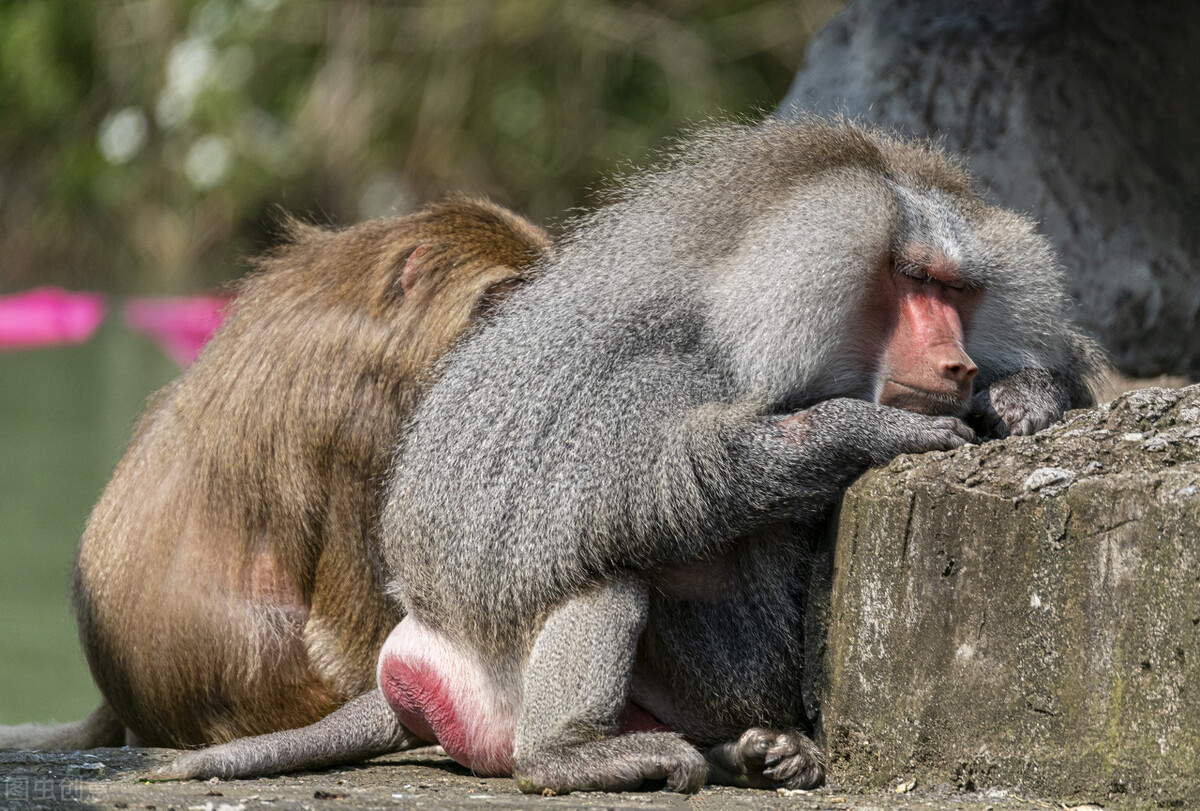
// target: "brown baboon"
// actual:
[[226, 583], [599, 521]]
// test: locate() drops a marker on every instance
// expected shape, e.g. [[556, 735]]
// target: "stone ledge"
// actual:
[[108, 778], [1022, 614]]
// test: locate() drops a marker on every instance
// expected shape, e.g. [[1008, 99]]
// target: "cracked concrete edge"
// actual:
[[1023, 613]]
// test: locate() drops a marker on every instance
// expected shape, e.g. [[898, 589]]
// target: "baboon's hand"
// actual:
[[874, 434], [1020, 405], [907, 432]]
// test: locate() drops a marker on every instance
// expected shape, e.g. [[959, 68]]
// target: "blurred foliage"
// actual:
[[146, 144]]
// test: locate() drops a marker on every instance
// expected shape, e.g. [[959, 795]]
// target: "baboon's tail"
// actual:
[[101, 728]]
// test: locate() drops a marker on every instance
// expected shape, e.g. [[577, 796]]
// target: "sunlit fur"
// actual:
[[226, 581], [628, 416]]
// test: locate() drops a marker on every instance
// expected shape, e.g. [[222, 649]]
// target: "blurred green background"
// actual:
[[146, 146]]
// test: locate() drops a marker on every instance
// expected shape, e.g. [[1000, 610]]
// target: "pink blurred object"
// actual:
[[180, 326], [47, 316]]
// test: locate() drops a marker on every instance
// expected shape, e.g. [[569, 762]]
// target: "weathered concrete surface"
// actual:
[[1024, 613], [109, 778]]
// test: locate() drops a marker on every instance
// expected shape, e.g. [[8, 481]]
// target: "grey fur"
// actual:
[[101, 728], [636, 415], [362, 728], [764, 758], [1029, 400], [576, 683]]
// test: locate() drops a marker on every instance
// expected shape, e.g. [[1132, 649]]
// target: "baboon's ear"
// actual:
[[413, 266]]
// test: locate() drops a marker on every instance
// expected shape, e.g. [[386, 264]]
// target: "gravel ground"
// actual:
[[110, 778]]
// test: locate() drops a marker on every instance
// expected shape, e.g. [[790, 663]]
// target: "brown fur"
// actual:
[[225, 583]]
